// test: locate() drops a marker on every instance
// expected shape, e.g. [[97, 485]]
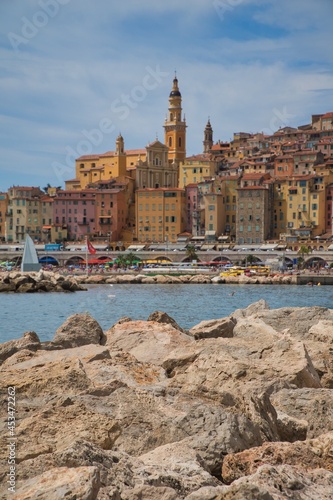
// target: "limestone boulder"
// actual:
[[251, 310], [148, 341], [78, 330], [62, 482], [59, 425], [213, 329], [26, 287], [310, 454], [176, 463], [311, 325], [313, 406], [148, 280], [273, 482], [30, 341], [199, 279], [95, 279], [162, 317], [7, 287]]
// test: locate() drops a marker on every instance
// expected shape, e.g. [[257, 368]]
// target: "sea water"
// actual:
[[188, 304]]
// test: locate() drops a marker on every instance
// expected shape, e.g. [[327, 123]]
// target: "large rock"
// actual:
[[213, 328], [29, 341], [78, 330], [162, 317], [311, 325], [156, 411], [311, 454], [313, 406], [147, 341], [62, 482], [273, 483]]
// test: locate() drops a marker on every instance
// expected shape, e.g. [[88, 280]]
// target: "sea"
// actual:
[[187, 304]]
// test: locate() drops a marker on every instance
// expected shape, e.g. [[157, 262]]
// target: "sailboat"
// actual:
[[30, 260]]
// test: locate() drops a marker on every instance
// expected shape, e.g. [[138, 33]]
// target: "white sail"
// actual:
[[30, 260]]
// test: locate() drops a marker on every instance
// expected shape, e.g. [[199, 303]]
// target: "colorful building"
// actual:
[[160, 214]]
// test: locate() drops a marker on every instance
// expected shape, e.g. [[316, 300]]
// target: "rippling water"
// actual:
[[187, 304]]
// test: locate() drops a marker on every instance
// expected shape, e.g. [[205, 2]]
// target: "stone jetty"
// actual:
[[46, 281], [239, 407]]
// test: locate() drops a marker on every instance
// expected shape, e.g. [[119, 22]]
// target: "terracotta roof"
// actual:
[[253, 176], [88, 157]]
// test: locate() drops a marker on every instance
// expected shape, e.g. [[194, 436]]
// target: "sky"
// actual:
[[76, 73]]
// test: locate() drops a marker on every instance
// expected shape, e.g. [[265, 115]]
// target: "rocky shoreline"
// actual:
[[235, 408], [46, 281]]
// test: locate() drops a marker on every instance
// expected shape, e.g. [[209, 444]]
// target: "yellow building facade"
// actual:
[[160, 214], [195, 169], [106, 166]]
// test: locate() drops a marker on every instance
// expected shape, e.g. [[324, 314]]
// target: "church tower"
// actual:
[[208, 138], [175, 126], [120, 155]]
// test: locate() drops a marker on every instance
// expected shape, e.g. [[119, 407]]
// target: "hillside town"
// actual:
[[254, 189]]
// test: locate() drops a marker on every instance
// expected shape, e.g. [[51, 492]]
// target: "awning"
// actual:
[[330, 247], [163, 247], [210, 233], [281, 247], [246, 248], [47, 227], [223, 238], [207, 247], [272, 246], [136, 247], [198, 238]]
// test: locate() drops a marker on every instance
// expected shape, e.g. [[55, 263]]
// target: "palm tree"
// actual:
[[130, 258], [249, 260], [191, 253], [121, 261], [303, 250]]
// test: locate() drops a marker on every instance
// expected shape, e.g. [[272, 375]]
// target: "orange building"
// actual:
[[160, 214]]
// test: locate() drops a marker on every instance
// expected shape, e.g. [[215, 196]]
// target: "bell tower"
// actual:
[[175, 126], [208, 137], [120, 155]]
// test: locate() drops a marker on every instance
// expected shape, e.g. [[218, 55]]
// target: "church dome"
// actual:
[[175, 90]]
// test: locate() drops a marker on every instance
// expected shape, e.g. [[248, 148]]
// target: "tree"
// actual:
[[249, 260], [130, 258], [191, 253], [303, 250], [121, 261]]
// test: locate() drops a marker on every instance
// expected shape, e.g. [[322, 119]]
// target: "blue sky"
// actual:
[[75, 73]]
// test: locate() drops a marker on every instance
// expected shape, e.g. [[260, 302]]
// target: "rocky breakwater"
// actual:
[[42, 281], [235, 408], [132, 278]]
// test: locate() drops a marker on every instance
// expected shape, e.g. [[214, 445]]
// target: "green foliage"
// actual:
[[191, 253]]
